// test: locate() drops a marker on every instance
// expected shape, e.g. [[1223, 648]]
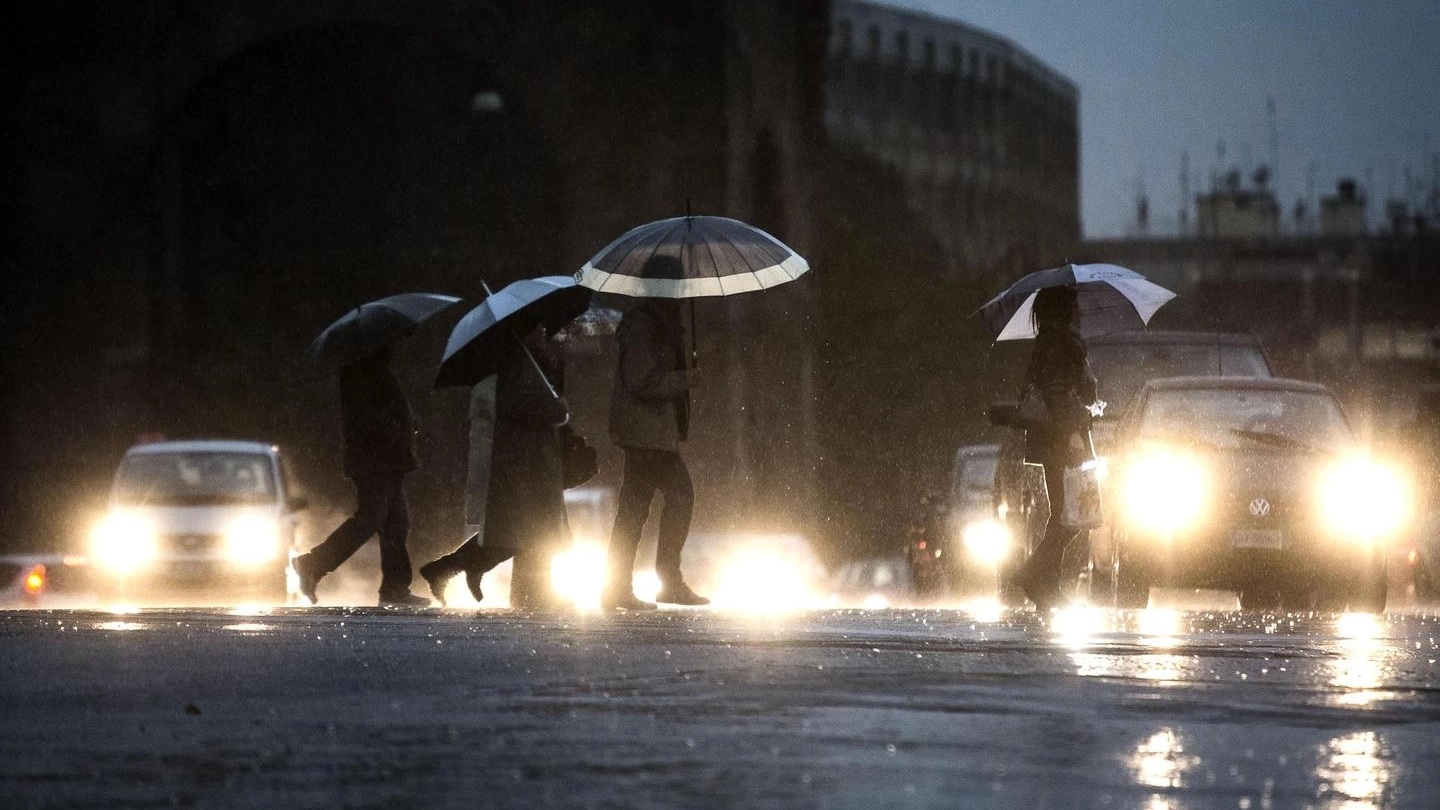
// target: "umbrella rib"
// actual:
[[656, 249]]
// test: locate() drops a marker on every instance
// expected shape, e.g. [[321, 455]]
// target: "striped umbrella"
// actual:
[[691, 257], [1111, 298]]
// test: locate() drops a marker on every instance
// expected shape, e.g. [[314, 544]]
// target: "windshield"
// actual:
[[1246, 418], [976, 472], [1121, 368], [194, 479]]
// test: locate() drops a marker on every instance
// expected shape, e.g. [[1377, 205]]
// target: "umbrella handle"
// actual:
[[694, 339], [536, 365]]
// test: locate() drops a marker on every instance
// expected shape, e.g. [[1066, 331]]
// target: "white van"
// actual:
[[202, 521]]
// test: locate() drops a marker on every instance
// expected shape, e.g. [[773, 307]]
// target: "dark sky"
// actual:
[[1356, 87]]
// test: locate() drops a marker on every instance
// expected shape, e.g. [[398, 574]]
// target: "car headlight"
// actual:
[[252, 540], [986, 540], [1362, 498], [123, 542], [1165, 492]]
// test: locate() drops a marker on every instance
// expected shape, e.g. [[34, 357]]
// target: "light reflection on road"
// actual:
[[1354, 769]]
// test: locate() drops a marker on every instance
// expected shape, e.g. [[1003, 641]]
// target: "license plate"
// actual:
[[1257, 538]]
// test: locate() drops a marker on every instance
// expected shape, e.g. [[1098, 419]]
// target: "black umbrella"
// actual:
[[479, 340], [370, 327]]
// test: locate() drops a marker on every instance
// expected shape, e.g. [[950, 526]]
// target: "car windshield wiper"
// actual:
[[1187, 439], [1277, 440]]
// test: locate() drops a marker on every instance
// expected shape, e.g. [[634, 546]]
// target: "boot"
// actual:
[[436, 574], [306, 576], [472, 581], [404, 599], [678, 593], [617, 599]]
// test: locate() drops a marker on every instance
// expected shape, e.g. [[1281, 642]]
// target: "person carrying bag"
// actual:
[[1059, 376]]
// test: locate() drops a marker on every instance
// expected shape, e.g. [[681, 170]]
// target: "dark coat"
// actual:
[[525, 502], [649, 403], [375, 420], [1060, 370]]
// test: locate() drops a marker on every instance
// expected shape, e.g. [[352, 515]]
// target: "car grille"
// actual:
[[192, 543]]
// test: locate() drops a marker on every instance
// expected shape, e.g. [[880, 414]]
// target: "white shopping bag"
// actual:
[[1082, 496]]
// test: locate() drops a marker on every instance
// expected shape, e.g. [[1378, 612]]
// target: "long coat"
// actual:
[[524, 500], [649, 403], [375, 420], [1060, 370]]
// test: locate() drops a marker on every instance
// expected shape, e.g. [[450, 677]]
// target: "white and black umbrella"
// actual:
[[370, 327], [480, 340], [1111, 298], [692, 257]]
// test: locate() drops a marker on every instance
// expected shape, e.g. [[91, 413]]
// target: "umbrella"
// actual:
[[1112, 299], [477, 342], [691, 257], [370, 327]]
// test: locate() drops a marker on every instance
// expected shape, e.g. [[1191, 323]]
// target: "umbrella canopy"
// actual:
[[370, 327], [1112, 299], [477, 343], [692, 257]]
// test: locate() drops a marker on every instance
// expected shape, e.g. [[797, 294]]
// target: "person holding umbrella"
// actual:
[[379, 432], [661, 262], [507, 350], [525, 503], [649, 417], [1060, 372]]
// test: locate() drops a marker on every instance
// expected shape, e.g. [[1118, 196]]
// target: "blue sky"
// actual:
[[1356, 85]]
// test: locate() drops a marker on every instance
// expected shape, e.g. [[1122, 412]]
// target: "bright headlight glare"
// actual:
[[251, 540], [986, 540], [1362, 498], [123, 542], [1165, 492]]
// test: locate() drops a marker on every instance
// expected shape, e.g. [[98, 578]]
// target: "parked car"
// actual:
[[209, 519], [1258, 486], [42, 580], [1122, 363]]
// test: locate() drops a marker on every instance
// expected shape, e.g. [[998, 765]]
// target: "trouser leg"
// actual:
[[637, 488], [1044, 563], [372, 506], [679, 493], [395, 572]]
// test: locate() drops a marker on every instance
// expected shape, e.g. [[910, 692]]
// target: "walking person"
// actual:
[[1060, 371], [649, 417], [523, 514], [379, 433]]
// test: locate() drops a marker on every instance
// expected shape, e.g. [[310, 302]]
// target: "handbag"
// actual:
[[578, 460], [1031, 412], [1082, 496]]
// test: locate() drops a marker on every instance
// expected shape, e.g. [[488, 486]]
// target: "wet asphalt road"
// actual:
[[331, 708]]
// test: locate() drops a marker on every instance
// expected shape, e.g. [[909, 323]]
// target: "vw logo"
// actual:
[[1260, 508]]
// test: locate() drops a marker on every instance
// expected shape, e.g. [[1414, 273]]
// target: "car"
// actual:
[[1254, 485], [205, 519], [872, 583], [956, 545], [42, 580], [1122, 363]]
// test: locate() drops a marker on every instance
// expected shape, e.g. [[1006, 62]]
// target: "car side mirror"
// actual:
[[295, 504], [1002, 412]]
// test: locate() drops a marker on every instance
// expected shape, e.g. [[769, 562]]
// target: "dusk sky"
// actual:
[[1356, 86]]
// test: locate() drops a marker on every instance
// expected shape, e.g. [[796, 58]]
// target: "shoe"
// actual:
[[436, 577], [306, 578], [624, 601], [406, 599], [680, 594], [472, 581], [1044, 595]]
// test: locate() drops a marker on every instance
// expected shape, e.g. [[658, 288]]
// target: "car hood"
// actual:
[[198, 519]]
